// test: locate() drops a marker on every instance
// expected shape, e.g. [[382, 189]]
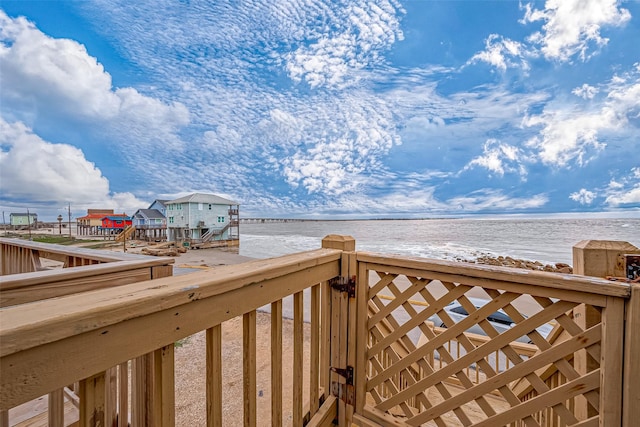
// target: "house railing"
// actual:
[[375, 356], [150, 226]]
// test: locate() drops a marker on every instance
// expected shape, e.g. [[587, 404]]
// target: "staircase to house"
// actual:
[[126, 233]]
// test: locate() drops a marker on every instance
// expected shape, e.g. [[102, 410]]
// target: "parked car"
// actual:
[[499, 320]]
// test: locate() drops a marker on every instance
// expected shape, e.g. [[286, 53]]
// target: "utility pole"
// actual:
[[69, 209], [29, 223]]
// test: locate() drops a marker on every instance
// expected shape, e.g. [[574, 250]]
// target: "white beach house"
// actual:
[[201, 218]]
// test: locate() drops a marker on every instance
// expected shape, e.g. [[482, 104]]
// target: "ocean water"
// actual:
[[548, 240]]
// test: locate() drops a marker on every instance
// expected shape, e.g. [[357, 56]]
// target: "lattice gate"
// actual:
[[558, 363]]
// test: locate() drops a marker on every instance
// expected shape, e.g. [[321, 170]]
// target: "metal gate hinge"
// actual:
[[344, 284], [346, 373], [344, 392]]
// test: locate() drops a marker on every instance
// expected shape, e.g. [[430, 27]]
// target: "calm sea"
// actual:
[[546, 240]]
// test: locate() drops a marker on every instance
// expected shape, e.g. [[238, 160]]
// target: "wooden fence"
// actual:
[[426, 394], [376, 358]]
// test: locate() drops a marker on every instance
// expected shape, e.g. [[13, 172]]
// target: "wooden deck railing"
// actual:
[[375, 356], [49, 344], [25, 279]]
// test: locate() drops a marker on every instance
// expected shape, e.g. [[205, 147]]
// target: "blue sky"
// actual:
[[318, 108]]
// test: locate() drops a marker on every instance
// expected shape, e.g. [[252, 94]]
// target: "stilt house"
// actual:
[[200, 218]]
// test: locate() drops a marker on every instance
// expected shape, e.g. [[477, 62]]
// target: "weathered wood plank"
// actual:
[[249, 385], [325, 416], [164, 386], [92, 401], [123, 394], [73, 251], [314, 357], [276, 363], [214, 376], [298, 356], [111, 396], [352, 271], [631, 385], [361, 338], [611, 363], [55, 408], [88, 282], [570, 282]]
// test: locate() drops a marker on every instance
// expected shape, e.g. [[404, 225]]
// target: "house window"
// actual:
[[199, 206], [220, 219], [170, 220], [209, 206]]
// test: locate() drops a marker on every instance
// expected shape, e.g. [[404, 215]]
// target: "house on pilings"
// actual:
[[203, 220]]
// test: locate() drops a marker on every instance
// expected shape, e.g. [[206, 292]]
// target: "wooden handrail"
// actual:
[[76, 336], [25, 280], [54, 251], [541, 279]]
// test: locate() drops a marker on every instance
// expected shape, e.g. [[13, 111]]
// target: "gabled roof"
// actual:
[[100, 215], [160, 201], [203, 198], [149, 213]]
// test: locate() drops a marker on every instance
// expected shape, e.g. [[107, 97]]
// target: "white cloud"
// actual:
[[567, 136], [42, 74], [495, 200], [364, 31], [502, 53], [585, 91], [571, 134], [499, 158], [34, 169], [625, 192], [584, 196], [572, 26]]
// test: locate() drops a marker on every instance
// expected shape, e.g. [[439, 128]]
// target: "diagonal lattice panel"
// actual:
[[408, 391], [409, 347], [417, 376], [486, 407]]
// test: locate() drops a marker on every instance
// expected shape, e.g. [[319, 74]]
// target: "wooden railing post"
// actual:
[[597, 258], [92, 401], [631, 367], [342, 330]]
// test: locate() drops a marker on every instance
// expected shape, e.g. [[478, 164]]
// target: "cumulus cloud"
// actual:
[[502, 53], [499, 158], [34, 169], [585, 91], [625, 191], [584, 196], [571, 133], [42, 74], [572, 27]]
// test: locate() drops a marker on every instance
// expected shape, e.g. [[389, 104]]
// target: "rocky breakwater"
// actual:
[[521, 263]]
